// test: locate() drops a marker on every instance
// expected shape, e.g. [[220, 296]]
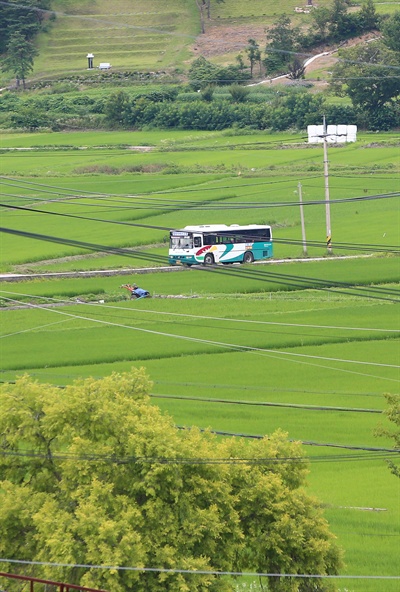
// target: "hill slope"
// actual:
[[129, 34]]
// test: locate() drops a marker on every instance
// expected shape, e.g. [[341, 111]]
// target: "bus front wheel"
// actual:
[[208, 259], [248, 257]]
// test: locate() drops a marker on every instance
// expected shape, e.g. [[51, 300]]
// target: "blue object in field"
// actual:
[[140, 293]]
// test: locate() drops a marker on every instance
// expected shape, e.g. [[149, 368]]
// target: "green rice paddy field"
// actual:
[[309, 347]]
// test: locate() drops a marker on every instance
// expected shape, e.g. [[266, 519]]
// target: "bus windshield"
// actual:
[[181, 240]]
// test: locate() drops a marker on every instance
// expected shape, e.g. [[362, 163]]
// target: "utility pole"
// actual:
[[327, 203], [303, 228]]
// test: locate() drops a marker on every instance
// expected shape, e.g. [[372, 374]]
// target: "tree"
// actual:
[[118, 108], [202, 73], [26, 17], [321, 18], [94, 474], [393, 414], [238, 93], [297, 69], [391, 32], [367, 17], [207, 93], [342, 24], [282, 44], [254, 54], [365, 73], [19, 58]]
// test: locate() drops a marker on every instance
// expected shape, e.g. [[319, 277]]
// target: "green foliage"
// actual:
[[367, 17], [391, 32], [203, 73], [392, 413], [22, 18], [254, 54], [239, 93], [366, 75], [29, 117], [19, 58], [207, 93], [283, 42], [110, 480]]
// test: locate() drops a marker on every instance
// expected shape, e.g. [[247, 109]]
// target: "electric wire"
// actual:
[[214, 385], [148, 195], [266, 404], [376, 454], [201, 572], [298, 282], [287, 356]]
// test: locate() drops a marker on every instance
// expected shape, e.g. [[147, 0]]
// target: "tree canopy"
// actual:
[[392, 413], [19, 58], [26, 17], [93, 474], [369, 74]]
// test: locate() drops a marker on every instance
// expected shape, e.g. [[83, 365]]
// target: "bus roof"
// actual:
[[222, 227]]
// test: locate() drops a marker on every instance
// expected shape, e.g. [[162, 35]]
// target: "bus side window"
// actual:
[[197, 241]]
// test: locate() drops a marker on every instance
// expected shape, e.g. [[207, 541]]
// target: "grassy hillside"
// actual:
[[129, 34], [154, 35]]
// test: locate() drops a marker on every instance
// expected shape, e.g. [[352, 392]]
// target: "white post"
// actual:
[[303, 228], [327, 204]]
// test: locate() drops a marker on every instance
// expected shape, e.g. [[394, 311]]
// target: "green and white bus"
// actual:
[[218, 243]]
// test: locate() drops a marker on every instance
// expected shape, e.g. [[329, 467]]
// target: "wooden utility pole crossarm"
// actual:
[[63, 587]]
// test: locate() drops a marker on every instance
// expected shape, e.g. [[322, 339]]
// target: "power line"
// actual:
[[289, 356], [294, 281], [266, 404], [208, 387], [200, 572], [377, 454]]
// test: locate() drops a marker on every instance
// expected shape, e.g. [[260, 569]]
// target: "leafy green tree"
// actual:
[[367, 17], [94, 474], [238, 93], [25, 17], [392, 412], [321, 18], [117, 108], [207, 93], [366, 75], [202, 73], [28, 116], [19, 58], [391, 32], [283, 42], [253, 53], [342, 24]]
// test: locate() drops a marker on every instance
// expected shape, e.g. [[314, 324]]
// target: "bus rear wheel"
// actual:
[[208, 259], [248, 257]]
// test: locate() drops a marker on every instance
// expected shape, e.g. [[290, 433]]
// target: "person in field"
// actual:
[[135, 291]]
